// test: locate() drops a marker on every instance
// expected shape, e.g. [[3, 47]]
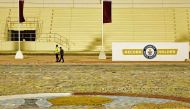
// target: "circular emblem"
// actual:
[[150, 51]]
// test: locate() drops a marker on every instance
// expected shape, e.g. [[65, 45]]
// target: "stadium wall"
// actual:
[[80, 28]]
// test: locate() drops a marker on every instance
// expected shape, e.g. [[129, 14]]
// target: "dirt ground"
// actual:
[[88, 74], [50, 59], [73, 59]]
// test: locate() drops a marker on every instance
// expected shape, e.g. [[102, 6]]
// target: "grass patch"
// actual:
[[80, 100]]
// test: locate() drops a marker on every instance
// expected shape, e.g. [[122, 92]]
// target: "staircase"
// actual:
[[57, 38], [35, 24]]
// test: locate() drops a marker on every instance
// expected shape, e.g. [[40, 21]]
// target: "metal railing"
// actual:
[[42, 37], [34, 23], [28, 19], [54, 37], [31, 22]]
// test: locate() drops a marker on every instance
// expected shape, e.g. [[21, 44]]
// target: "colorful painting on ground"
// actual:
[[94, 54]]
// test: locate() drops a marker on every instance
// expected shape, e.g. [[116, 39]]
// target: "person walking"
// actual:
[[57, 53], [61, 55]]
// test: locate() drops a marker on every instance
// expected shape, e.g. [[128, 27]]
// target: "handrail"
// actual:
[[55, 37], [61, 39], [49, 37], [28, 19]]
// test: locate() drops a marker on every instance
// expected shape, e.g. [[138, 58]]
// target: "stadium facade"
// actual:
[[76, 24]]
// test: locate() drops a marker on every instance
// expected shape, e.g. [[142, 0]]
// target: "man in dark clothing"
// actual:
[[61, 54], [57, 53]]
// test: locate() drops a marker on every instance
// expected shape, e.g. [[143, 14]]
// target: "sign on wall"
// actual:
[[158, 51]]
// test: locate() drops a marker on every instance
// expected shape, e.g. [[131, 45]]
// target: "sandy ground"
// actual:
[[50, 59], [87, 74]]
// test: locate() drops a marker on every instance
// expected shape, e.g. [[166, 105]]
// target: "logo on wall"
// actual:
[[150, 51]]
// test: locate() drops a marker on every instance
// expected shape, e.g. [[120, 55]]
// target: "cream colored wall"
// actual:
[[96, 3], [129, 25], [182, 23], [141, 25], [82, 26], [28, 46], [4, 12]]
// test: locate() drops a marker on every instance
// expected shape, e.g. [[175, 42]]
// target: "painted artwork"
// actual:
[[96, 54]]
